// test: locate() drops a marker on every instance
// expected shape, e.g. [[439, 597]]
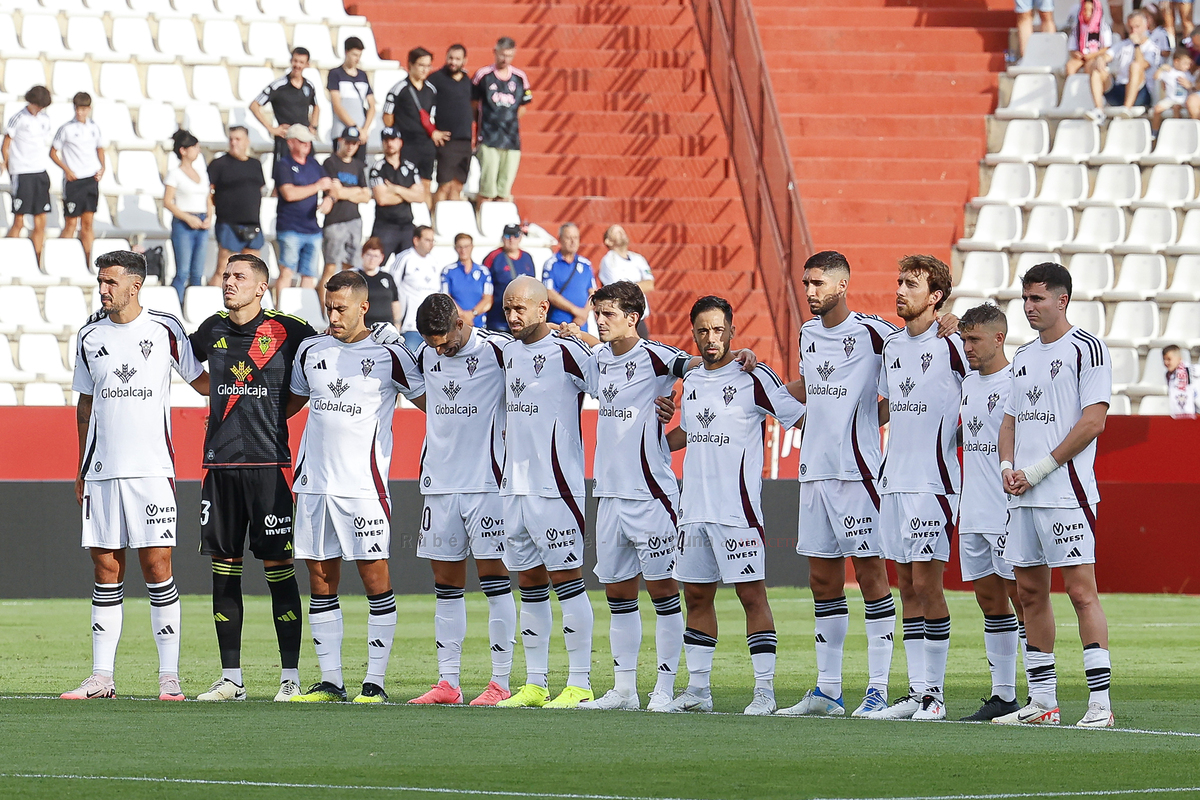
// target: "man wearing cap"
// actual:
[[293, 100], [506, 263], [299, 179], [342, 235], [394, 184]]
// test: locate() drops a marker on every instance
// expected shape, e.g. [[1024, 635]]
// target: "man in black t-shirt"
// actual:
[[411, 109], [237, 184], [500, 94], [293, 100], [248, 463], [342, 232], [454, 116], [382, 292], [394, 184]]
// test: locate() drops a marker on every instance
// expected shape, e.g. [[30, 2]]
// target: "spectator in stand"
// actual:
[[351, 94], [299, 179], [1185, 19], [1122, 81], [454, 117], [382, 293], [1045, 9], [237, 184], [411, 108], [1174, 82], [1159, 35], [293, 100], [188, 197], [1089, 39], [470, 284], [25, 153], [500, 94], [417, 276], [506, 263], [1183, 384], [619, 264], [342, 235], [78, 150], [569, 280], [394, 185]]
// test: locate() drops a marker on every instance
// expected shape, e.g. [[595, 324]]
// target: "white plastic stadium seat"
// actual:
[[8, 394], [1076, 98], [132, 35], [8, 370], [162, 298], [70, 77], [1075, 142], [251, 81], [982, 275], [1012, 185], [201, 302], [19, 263], [39, 352], [40, 32], [1134, 324], [44, 394], [1119, 405], [1124, 367], [20, 74], [1047, 228], [1185, 283], [115, 8], [320, 46], [1154, 406], [1151, 230], [1032, 96], [1100, 228], [223, 39], [333, 12], [1024, 262], [159, 8], [301, 302], [494, 216], [203, 120], [1126, 142], [1063, 185], [453, 217], [1178, 142], [120, 83], [87, 35], [239, 8], [995, 228], [137, 171], [370, 57], [203, 9], [1153, 380], [1170, 186], [1019, 329], [19, 312], [1025, 140], [1182, 328], [1091, 275], [1087, 314], [1116, 185], [10, 45], [165, 82], [260, 138], [211, 85], [1044, 53], [137, 213], [1142, 278], [178, 36], [156, 121], [67, 306], [64, 258], [420, 213], [266, 40], [289, 10], [113, 118]]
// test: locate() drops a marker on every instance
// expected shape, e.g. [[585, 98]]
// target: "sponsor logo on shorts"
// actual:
[[1065, 534], [277, 526], [365, 527], [925, 528], [660, 546], [561, 538], [160, 515], [857, 526]]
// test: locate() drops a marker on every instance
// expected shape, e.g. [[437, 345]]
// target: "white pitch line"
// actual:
[[1016, 795], [333, 787]]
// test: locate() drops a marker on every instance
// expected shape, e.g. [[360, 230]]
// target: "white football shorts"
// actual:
[[543, 530], [1056, 537], [709, 552], [982, 554], [350, 528], [129, 512], [454, 526], [838, 519], [635, 536], [917, 526]]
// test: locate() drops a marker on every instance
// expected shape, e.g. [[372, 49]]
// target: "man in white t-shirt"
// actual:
[[619, 264], [1122, 82], [126, 478], [343, 507], [78, 149], [24, 153], [1061, 387], [417, 275]]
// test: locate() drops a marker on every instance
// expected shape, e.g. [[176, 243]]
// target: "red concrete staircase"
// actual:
[[622, 130]]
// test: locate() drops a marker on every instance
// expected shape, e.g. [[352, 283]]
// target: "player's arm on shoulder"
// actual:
[[202, 383], [83, 415], [798, 390], [295, 403], [676, 439]]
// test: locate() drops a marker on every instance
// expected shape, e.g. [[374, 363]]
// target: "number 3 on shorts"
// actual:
[[205, 505]]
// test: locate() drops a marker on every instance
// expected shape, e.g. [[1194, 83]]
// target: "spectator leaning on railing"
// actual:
[[188, 197], [25, 154], [455, 117], [293, 100], [78, 150], [501, 93], [237, 183], [351, 95]]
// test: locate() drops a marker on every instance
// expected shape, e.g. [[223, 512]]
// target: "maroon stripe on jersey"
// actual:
[[747, 505], [172, 482], [87, 460], [499, 354], [660, 367], [167, 438], [944, 502], [956, 362], [876, 340], [570, 365], [380, 486], [398, 374], [1078, 363], [496, 471], [863, 470], [1081, 496], [656, 491], [945, 473], [564, 488], [171, 338], [760, 396]]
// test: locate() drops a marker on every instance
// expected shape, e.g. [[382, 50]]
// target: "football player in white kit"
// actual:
[[722, 423], [460, 479], [126, 478], [543, 492], [921, 377], [984, 505], [343, 506], [1061, 387]]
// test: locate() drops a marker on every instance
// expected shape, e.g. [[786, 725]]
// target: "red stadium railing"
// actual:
[[742, 86]]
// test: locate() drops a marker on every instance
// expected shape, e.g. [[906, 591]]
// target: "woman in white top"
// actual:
[[619, 264], [188, 197]]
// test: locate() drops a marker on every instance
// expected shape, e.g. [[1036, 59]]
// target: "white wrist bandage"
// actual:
[[1038, 472]]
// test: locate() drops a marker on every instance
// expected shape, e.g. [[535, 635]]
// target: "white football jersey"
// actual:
[[1051, 385], [543, 453], [464, 407], [840, 366], [127, 371], [724, 413], [633, 460], [984, 504], [346, 450], [1183, 392], [921, 376]]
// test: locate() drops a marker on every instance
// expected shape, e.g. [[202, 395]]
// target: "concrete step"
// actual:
[[933, 104], [898, 149], [886, 5], [848, 211], [898, 236], [617, 186], [622, 101], [530, 37], [806, 57], [611, 209], [855, 80], [891, 126], [808, 16], [539, 14], [616, 79], [838, 39], [577, 164], [639, 59], [626, 144], [733, 235], [947, 191], [653, 123], [884, 169]]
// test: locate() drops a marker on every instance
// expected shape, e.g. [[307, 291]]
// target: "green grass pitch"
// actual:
[[194, 750]]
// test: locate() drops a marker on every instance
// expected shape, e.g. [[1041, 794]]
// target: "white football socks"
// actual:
[[831, 623], [536, 623], [164, 622], [577, 620], [449, 631], [381, 631], [625, 640], [325, 622], [914, 653], [108, 613], [1000, 644], [937, 648], [668, 642], [699, 648], [502, 626], [881, 633]]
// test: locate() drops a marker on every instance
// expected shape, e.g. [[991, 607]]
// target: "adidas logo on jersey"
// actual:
[[437, 367], [1020, 373], [103, 351], [320, 365], [221, 344], [812, 348], [895, 364], [749, 570], [692, 396]]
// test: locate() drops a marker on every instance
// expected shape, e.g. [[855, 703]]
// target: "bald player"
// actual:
[[543, 493], [343, 509]]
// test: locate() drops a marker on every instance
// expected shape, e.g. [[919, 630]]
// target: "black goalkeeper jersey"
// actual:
[[250, 368]]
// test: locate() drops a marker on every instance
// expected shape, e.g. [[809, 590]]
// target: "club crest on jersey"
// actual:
[[974, 426], [630, 368], [338, 387], [264, 343], [472, 365], [1055, 366], [539, 361], [706, 417], [367, 366], [1034, 395], [611, 392], [451, 389], [729, 391], [826, 369], [907, 386], [848, 345], [993, 399], [926, 360], [517, 386], [241, 372], [146, 346], [125, 373]]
